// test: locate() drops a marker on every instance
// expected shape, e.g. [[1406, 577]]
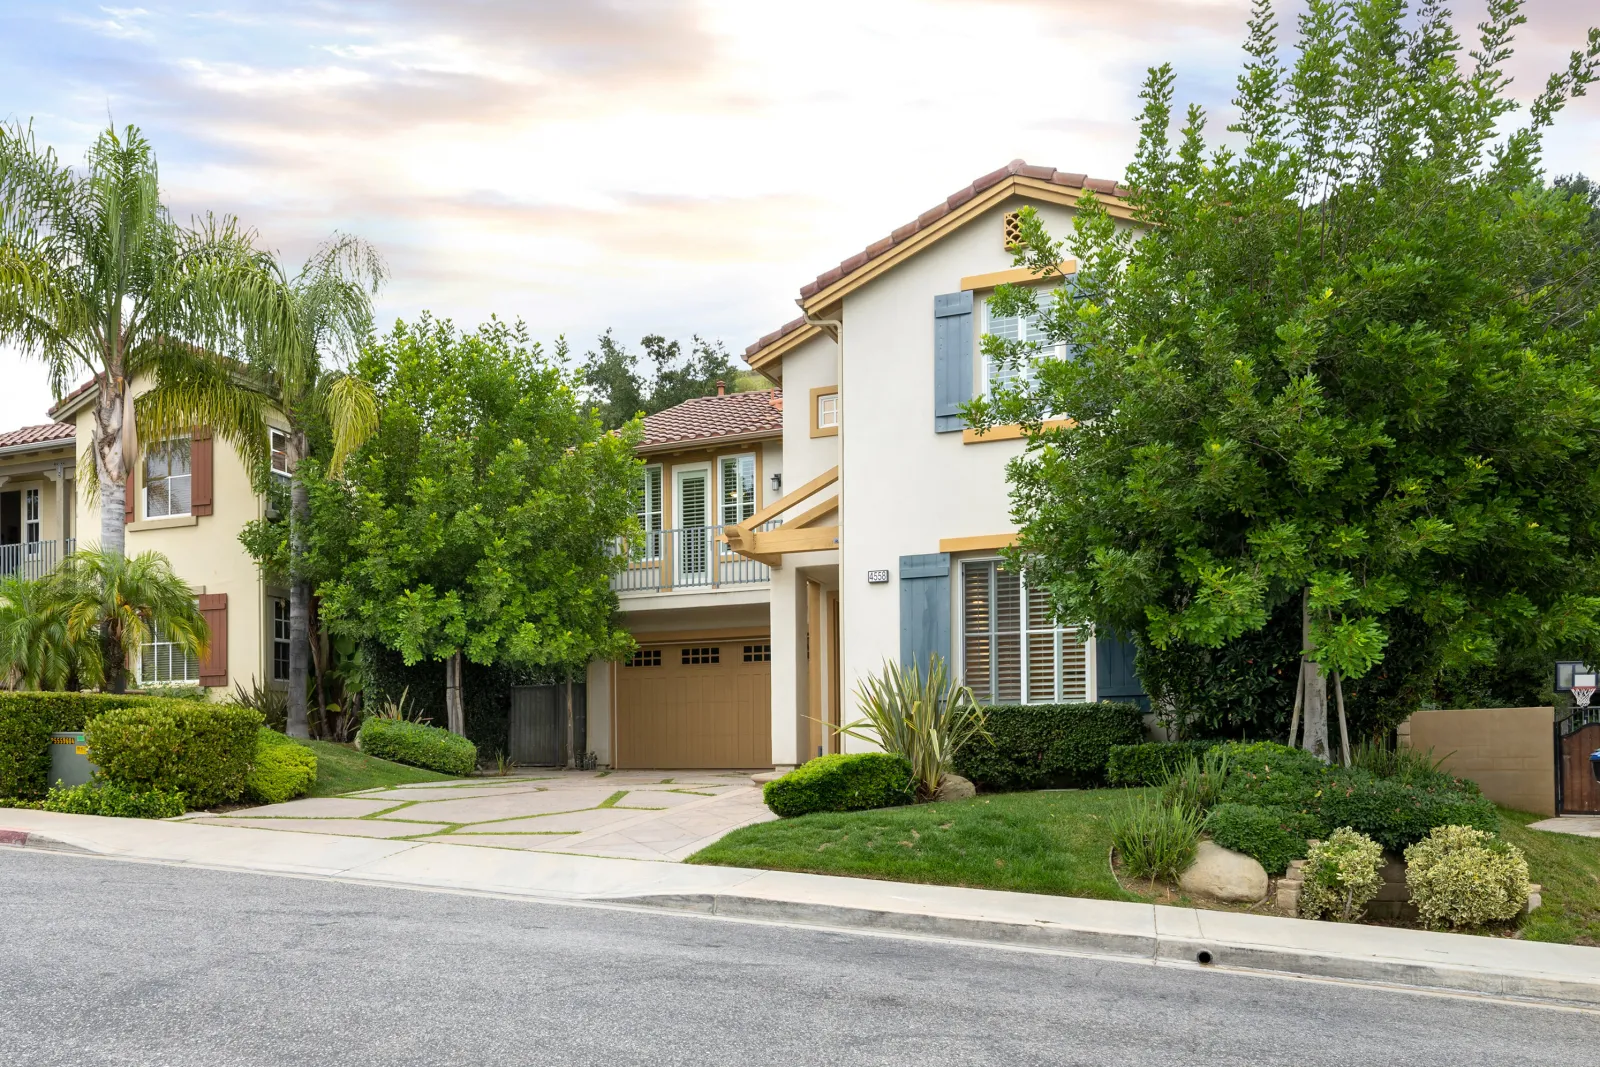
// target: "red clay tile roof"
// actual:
[[34, 435], [706, 418], [1107, 186]]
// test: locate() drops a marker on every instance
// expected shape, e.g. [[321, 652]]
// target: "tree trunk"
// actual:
[[111, 465], [116, 669], [1315, 702], [572, 725], [299, 593], [455, 711]]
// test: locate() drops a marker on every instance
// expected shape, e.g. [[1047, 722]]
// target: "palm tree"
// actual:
[[95, 277], [294, 378], [35, 652], [113, 604]]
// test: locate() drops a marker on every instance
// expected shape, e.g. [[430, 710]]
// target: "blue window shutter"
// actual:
[[1115, 678], [952, 359], [924, 608]]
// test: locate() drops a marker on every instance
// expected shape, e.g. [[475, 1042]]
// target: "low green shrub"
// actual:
[[1273, 836], [850, 781], [282, 770], [1396, 814], [417, 745], [1267, 774], [1149, 762], [1463, 876], [1153, 840], [1341, 876], [1038, 745], [26, 722], [102, 797], [203, 751]]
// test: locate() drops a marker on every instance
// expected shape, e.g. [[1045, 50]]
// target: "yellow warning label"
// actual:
[[82, 750], [63, 740]]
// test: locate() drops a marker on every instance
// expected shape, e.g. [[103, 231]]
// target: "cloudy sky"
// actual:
[[672, 166]]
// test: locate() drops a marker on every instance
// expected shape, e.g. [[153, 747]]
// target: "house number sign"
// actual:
[[877, 577]]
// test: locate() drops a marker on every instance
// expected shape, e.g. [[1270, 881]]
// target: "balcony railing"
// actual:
[[694, 557], [33, 559]]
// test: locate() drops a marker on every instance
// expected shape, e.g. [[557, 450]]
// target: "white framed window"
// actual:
[[32, 527], [1012, 649], [738, 499], [827, 410], [161, 662], [997, 378], [279, 444], [166, 478], [649, 508], [280, 639]]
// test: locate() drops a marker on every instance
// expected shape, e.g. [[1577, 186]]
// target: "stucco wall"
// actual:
[[1508, 751]]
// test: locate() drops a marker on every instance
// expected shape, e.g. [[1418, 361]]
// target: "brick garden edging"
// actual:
[[1393, 901]]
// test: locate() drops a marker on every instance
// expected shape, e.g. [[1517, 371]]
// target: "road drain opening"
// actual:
[[1203, 956]]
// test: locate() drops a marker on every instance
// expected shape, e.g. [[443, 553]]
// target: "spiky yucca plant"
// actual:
[[927, 718]]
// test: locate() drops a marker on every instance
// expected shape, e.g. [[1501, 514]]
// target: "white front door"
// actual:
[[692, 494]]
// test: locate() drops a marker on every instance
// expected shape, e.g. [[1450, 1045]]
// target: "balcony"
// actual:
[[33, 559], [694, 558]]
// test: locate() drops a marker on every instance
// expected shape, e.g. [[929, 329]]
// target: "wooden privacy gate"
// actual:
[[1577, 738], [537, 724]]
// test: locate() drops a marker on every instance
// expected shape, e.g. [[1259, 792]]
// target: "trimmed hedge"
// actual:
[[1396, 814], [282, 770], [28, 719], [1274, 836], [418, 745], [109, 798], [849, 781], [1150, 762], [203, 751], [1039, 745]]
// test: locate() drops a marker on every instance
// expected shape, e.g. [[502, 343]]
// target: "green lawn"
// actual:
[[1049, 842], [1568, 868], [341, 769]]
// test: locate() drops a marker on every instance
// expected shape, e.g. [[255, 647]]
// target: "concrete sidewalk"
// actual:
[[1152, 933]]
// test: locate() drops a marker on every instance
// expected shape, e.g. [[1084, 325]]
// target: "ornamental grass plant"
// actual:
[[926, 717]]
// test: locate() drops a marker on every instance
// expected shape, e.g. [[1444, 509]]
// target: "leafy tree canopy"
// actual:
[[613, 384], [479, 518], [1350, 354]]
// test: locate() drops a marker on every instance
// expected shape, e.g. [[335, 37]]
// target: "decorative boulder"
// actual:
[[954, 787], [1224, 875]]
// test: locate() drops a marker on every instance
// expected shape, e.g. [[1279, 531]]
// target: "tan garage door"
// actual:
[[702, 704]]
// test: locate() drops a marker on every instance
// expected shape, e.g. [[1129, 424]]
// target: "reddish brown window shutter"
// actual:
[[214, 667], [200, 472]]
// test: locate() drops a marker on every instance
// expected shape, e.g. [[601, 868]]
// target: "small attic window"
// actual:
[[1013, 231]]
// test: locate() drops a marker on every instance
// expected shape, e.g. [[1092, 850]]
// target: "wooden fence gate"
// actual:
[[1577, 788], [537, 724]]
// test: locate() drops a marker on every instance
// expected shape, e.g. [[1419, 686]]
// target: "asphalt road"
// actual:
[[103, 962]]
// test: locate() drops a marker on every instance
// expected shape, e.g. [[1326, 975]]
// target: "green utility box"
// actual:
[[69, 759]]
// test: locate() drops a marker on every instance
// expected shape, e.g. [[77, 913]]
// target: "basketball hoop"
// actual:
[[1583, 686]]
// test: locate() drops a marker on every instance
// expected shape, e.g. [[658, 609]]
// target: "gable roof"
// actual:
[[75, 400], [731, 417], [48, 433], [1013, 179]]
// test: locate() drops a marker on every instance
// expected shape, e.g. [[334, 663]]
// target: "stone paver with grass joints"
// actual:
[[648, 815]]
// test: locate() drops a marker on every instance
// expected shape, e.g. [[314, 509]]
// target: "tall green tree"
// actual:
[[291, 375], [614, 385], [96, 278], [1345, 363], [480, 521]]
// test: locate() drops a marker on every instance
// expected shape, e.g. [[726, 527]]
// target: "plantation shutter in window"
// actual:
[[924, 608], [977, 631], [952, 359], [200, 468], [214, 665]]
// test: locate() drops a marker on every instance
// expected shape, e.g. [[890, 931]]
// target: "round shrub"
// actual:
[[101, 797], [282, 769], [28, 719], [1272, 836], [851, 781], [1463, 876], [1395, 813], [1150, 762], [1341, 876], [203, 751], [417, 745], [1038, 745]]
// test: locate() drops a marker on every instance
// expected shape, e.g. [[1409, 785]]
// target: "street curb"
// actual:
[[34, 839], [1155, 947]]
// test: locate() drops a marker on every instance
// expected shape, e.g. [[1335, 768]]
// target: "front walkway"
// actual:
[[1579, 825], [647, 815]]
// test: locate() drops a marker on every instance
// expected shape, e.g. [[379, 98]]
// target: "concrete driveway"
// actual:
[[647, 815]]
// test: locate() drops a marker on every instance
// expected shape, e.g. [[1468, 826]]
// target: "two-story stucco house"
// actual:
[[880, 540]]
